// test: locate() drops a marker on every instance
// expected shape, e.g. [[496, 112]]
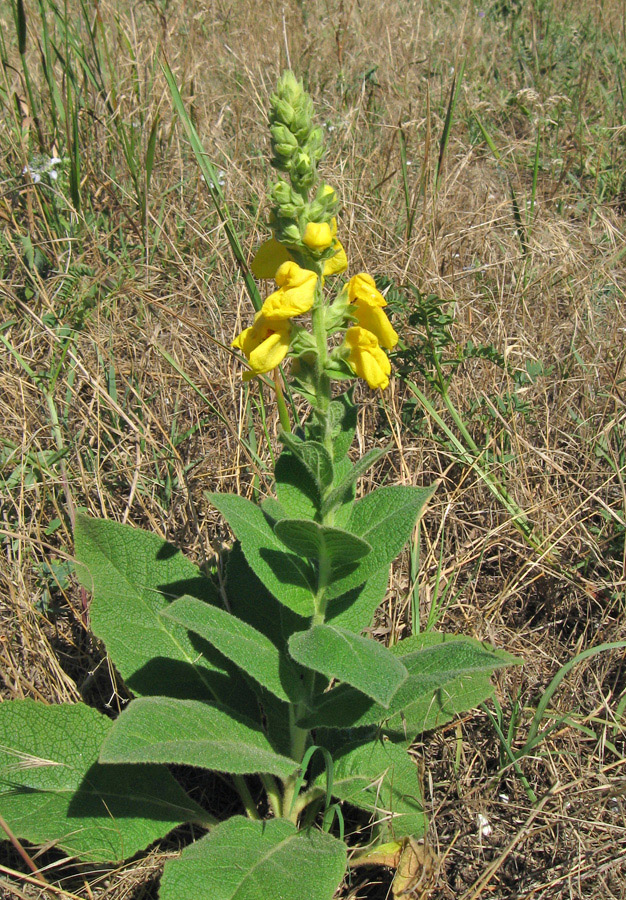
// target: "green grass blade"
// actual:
[[212, 183], [455, 87]]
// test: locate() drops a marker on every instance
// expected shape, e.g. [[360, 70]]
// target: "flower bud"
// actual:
[[283, 111], [287, 232], [289, 89], [318, 236]]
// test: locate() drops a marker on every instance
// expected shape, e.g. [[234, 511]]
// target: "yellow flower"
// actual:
[[339, 262], [366, 357], [295, 294], [272, 254], [362, 289], [264, 344], [318, 236], [367, 302]]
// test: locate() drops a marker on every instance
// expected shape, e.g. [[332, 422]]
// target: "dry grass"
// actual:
[[118, 392]]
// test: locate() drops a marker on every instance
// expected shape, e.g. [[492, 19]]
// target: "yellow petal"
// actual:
[[318, 236], [296, 293], [366, 357], [337, 263], [268, 258], [362, 289], [374, 319], [264, 344], [269, 353]]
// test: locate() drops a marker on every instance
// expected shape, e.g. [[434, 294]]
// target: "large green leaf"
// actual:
[[134, 575], [52, 787], [385, 519], [377, 776], [447, 675], [251, 601], [248, 648], [245, 860], [289, 578], [338, 549], [159, 729], [355, 660]]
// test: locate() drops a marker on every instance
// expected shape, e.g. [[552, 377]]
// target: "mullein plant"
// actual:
[[266, 677]]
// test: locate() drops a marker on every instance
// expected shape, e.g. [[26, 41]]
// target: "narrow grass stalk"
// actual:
[[455, 87], [213, 186], [534, 736]]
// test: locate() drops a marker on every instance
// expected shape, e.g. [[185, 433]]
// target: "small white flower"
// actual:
[[53, 174], [484, 826], [54, 161]]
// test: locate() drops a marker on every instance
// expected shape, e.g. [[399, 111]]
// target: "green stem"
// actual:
[[246, 797], [322, 387], [283, 412], [273, 794]]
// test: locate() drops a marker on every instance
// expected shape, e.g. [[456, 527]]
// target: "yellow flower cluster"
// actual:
[[266, 342], [317, 236], [373, 331]]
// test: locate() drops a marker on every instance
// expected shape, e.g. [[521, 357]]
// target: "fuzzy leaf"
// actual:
[[241, 643], [52, 787], [314, 457], [342, 414], [340, 549], [288, 577], [363, 663], [295, 489], [355, 609], [245, 860], [344, 485], [188, 732], [250, 600], [447, 675], [134, 576], [376, 776], [385, 519]]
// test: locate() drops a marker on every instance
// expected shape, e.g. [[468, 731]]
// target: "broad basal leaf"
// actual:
[[385, 519], [338, 549], [358, 661], [248, 648], [289, 578], [52, 788], [245, 860], [159, 729], [134, 575]]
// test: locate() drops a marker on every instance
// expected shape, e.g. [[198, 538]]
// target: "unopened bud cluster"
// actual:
[[297, 221], [297, 145]]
